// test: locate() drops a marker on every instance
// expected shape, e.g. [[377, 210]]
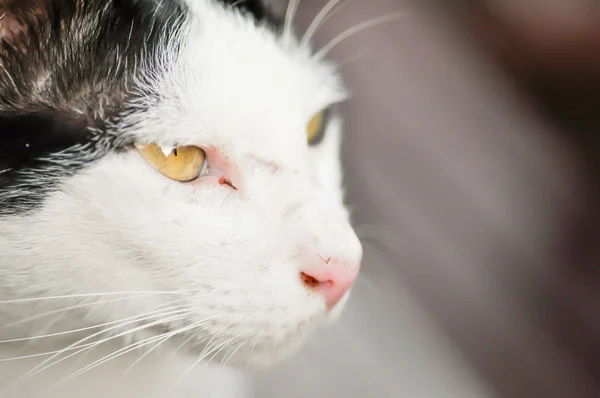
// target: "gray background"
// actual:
[[458, 193]]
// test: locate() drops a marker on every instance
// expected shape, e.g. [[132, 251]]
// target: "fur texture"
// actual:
[[99, 248]]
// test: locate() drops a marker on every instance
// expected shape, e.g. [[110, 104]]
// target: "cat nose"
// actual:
[[330, 279]]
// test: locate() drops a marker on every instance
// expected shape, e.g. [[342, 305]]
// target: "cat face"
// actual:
[[205, 196]]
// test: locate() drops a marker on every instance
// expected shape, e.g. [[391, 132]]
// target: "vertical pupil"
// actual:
[[175, 151]]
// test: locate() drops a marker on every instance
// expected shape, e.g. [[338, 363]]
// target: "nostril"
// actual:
[[313, 283], [331, 281]]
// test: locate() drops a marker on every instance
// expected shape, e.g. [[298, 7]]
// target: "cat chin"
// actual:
[[253, 354], [268, 357], [270, 354]]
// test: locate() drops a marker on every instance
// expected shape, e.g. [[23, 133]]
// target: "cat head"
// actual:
[[174, 166]]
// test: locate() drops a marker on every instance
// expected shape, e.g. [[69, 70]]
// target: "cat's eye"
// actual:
[[315, 129], [180, 163]]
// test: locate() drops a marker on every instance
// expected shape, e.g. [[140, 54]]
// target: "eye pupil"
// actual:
[[175, 151]]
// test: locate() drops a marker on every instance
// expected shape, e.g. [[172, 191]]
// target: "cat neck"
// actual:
[[156, 375]]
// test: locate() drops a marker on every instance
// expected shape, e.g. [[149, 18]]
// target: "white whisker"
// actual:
[[41, 354], [39, 368], [252, 347], [38, 316], [134, 346], [120, 322], [316, 23], [222, 346], [183, 343], [67, 332], [102, 341], [371, 23], [223, 329], [289, 15], [132, 293], [227, 357], [171, 334], [201, 356]]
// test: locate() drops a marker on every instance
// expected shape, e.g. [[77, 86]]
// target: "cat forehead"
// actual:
[[228, 77]]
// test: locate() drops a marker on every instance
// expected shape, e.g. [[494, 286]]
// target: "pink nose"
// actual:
[[330, 279]]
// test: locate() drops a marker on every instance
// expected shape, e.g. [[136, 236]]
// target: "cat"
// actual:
[[171, 196]]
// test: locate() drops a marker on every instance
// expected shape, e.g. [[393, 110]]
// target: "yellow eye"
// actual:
[[315, 130], [181, 163]]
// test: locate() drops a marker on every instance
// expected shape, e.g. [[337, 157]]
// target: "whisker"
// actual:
[[200, 357], [181, 330], [40, 368], [132, 293], [316, 22], [228, 358], [88, 351], [289, 15], [188, 370], [41, 354], [224, 364], [183, 343], [253, 347], [122, 351], [370, 23], [67, 332], [45, 329], [83, 355], [38, 316], [224, 328], [222, 346], [141, 358], [102, 341], [74, 346]]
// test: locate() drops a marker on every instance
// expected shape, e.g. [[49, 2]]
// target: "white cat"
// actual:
[[171, 200]]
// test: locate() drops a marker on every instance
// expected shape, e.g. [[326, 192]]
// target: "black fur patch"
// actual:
[[259, 11], [42, 149], [65, 66], [64, 72]]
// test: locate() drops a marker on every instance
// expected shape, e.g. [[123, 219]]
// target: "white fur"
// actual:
[[230, 258]]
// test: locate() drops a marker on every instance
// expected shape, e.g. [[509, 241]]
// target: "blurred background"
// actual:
[[472, 156]]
